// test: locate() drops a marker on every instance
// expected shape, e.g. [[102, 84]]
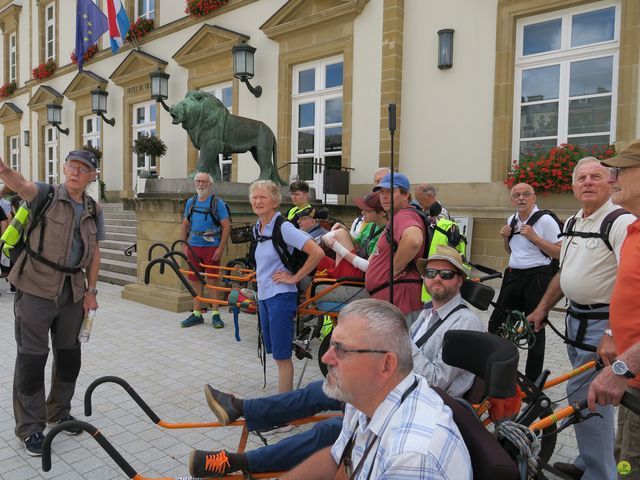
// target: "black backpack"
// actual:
[[292, 261], [531, 222], [209, 211], [605, 228]]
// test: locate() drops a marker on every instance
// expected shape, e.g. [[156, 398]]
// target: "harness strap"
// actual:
[[46, 261], [429, 333], [395, 282], [583, 318]]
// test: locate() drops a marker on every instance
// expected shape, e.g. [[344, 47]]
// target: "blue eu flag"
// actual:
[[91, 23]]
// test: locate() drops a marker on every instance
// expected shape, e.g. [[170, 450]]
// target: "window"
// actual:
[[317, 119], [50, 32], [14, 152], [91, 125], [223, 92], [51, 155], [145, 9], [144, 123], [566, 78], [13, 51]]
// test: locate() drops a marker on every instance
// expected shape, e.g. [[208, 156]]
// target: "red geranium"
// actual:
[[91, 51], [7, 89], [552, 171], [44, 70], [199, 8]]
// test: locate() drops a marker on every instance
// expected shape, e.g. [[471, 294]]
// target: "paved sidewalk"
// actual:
[[167, 366]]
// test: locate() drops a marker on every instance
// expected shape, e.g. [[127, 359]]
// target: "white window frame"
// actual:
[[14, 152], [225, 160], [148, 9], [147, 127], [50, 21], [91, 137], [319, 96], [564, 57], [51, 161], [13, 57]]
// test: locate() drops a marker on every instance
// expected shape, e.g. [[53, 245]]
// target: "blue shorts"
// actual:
[[276, 319]]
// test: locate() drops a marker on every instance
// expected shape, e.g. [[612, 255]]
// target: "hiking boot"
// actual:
[[208, 464], [569, 469], [68, 430], [33, 444], [221, 405], [191, 321], [217, 321]]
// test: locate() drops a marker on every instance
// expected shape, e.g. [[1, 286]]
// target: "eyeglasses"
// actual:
[[616, 171], [432, 273], [340, 350], [80, 170], [523, 194]]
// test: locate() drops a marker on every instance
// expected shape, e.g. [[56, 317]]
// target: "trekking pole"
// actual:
[[392, 129]]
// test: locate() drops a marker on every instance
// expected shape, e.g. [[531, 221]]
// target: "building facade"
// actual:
[[525, 74]]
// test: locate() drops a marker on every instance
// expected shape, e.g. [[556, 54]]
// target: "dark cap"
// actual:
[[370, 202], [629, 157], [85, 157]]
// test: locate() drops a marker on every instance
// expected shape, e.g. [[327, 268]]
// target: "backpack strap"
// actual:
[[512, 225], [279, 244], [429, 333], [605, 228]]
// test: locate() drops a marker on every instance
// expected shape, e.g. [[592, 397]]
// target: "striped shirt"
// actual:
[[415, 438]]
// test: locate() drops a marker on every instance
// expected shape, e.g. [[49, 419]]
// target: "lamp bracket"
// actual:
[[164, 105], [256, 91], [61, 130], [110, 121]]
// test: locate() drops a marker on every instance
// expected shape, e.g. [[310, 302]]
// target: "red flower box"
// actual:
[[199, 8], [44, 70]]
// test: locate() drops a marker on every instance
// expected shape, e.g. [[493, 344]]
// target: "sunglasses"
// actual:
[[616, 171], [432, 273], [340, 350]]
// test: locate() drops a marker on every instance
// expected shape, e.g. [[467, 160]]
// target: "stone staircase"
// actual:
[[120, 226]]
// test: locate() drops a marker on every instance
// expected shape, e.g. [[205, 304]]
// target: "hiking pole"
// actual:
[[392, 129]]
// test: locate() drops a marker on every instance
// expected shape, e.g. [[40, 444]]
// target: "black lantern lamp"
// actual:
[[445, 48], [54, 117], [99, 105], [160, 87], [243, 66]]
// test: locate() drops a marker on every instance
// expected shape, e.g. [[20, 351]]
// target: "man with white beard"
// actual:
[[205, 229]]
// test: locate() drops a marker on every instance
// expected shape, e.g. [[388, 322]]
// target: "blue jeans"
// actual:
[[595, 436], [277, 410]]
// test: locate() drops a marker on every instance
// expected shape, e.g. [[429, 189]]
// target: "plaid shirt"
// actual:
[[416, 438]]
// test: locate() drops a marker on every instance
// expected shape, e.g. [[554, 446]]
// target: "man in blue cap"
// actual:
[[408, 245]]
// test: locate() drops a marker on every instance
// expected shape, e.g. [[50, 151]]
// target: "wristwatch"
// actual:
[[92, 290], [621, 369], [607, 331]]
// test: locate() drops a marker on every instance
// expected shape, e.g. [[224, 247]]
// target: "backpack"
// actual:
[[292, 261], [605, 228], [209, 211], [555, 263], [39, 218]]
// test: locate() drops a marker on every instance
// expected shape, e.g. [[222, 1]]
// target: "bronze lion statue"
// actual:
[[213, 130]]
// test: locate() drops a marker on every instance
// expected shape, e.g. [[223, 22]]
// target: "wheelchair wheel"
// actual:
[[548, 440], [239, 263], [324, 346]]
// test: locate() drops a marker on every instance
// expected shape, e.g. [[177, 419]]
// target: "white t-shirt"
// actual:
[[525, 253]]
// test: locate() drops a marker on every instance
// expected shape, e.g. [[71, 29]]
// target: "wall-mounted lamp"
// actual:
[[445, 48], [54, 115], [25, 138], [160, 87], [243, 66], [99, 105]]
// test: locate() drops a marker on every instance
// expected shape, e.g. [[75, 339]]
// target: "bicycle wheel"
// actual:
[[324, 346]]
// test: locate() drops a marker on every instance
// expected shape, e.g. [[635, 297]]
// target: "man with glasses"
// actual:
[[588, 265], [56, 276], [624, 373], [447, 272], [530, 238]]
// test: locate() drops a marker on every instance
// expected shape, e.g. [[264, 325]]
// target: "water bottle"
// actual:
[[85, 329]]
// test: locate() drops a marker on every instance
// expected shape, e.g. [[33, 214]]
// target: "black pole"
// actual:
[[392, 129]]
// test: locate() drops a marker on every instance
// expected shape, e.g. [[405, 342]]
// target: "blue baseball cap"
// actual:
[[399, 181]]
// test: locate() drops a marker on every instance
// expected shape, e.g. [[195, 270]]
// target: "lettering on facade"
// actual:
[[138, 88]]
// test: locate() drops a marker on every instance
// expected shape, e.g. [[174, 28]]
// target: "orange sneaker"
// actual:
[[209, 464]]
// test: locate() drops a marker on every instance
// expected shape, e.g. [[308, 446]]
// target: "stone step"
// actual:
[[111, 254], [118, 266], [121, 237], [117, 228], [116, 278], [112, 207], [116, 244]]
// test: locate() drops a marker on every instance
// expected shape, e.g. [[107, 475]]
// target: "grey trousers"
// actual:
[[595, 436], [35, 317]]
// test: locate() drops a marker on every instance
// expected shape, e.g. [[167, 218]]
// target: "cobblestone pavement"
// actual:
[[167, 365]]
